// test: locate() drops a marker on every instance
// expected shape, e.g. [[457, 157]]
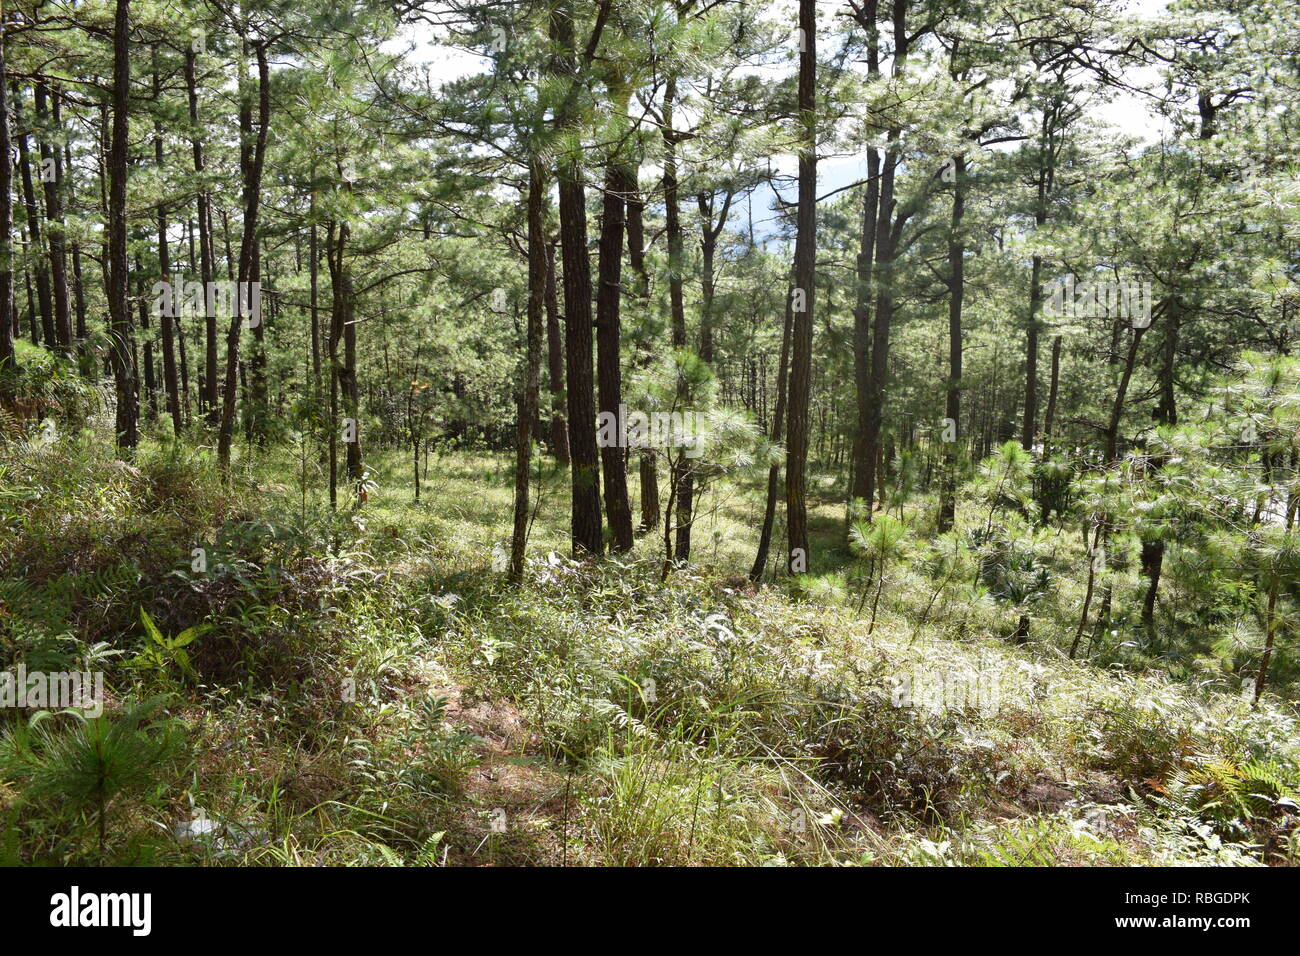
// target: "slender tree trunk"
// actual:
[[888, 232], [641, 295], [78, 286], [1271, 619], [859, 490], [8, 361], [119, 306], [608, 360], [587, 528], [956, 294], [207, 268], [537, 268], [39, 268], [555, 363], [710, 231], [672, 219], [1117, 408], [862, 326], [1166, 413], [247, 253], [1030, 422], [1048, 146], [1049, 420], [805, 294], [166, 322], [51, 160], [147, 366], [313, 268], [344, 373], [774, 471], [1093, 558]]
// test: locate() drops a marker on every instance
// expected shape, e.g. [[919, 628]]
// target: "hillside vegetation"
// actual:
[[370, 689]]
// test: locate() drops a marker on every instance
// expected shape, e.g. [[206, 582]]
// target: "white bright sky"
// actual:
[[1128, 113]]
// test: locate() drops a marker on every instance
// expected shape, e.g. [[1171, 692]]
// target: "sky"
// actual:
[[1127, 112]]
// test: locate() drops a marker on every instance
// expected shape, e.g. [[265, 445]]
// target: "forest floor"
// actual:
[[367, 688]]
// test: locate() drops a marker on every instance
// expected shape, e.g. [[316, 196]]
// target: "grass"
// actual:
[[372, 691]]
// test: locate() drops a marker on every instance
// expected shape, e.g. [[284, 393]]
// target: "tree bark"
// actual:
[[649, 477], [247, 253], [166, 322], [51, 159], [8, 361], [119, 306], [1049, 420], [537, 268], [585, 474], [805, 281], [207, 269], [774, 471], [555, 363], [608, 360], [956, 294], [39, 269]]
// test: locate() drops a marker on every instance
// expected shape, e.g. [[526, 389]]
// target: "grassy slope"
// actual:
[[399, 703]]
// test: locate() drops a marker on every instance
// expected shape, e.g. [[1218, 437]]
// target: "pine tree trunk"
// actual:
[[774, 471], [805, 278], [608, 360], [166, 322], [537, 269], [119, 306], [555, 363], [51, 160], [8, 367], [207, 269], [649, 478], [587, 528], [39, 269], [956, 294], [247, 253]]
